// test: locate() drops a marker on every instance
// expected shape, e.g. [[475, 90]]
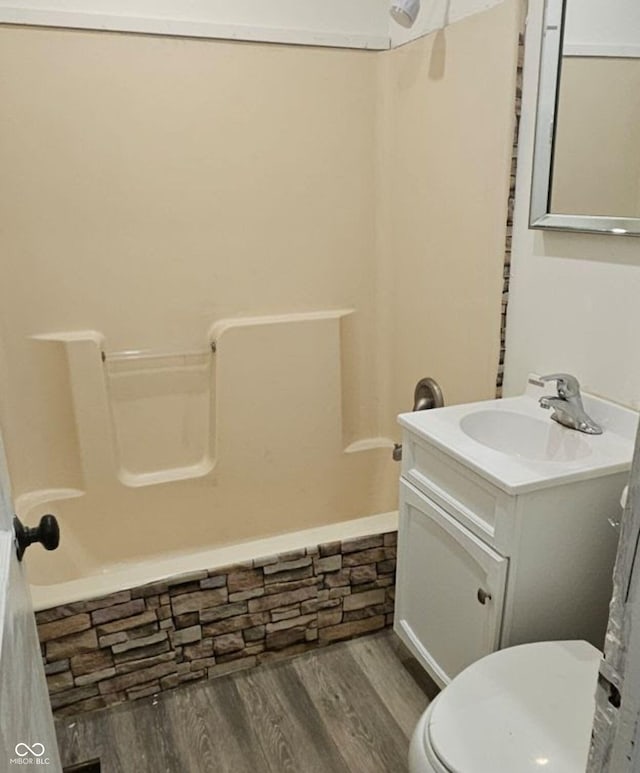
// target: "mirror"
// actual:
[[586, 169]]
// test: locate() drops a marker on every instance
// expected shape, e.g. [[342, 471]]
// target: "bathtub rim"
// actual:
[[179, 566]]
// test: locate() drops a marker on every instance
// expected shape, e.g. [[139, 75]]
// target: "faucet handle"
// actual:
[[566, 384]]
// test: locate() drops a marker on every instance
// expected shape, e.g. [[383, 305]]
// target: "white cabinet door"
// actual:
[[444, 575], [27, 736]]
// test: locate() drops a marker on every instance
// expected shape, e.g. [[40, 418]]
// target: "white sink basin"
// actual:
[[516, 445], [518, 434]]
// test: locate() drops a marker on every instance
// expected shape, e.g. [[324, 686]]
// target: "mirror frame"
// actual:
[[540, 215]]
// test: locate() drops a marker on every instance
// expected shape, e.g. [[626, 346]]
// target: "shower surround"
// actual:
[[244, 257]]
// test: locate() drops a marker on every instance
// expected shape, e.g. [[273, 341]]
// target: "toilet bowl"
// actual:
[[522, 709]]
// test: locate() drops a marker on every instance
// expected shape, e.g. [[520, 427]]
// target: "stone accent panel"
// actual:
[[142, 641], [511, 204]]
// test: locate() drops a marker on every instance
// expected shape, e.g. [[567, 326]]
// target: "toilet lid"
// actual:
[[522, 709]]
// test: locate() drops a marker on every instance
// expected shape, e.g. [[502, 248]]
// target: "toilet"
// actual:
[[522, 709]]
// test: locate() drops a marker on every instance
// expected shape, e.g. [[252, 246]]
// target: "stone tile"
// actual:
[[138, 665], [135, 693], [58, 682], [337, 593], [313, 605], [246, 594], [134, 678], [286, 613], [186, 621], [202, 663], [360, 557], [283, 625], [75, 644], [289, 585], [328, 564], [348, 630], [363, 574], [173, 680], [366, 599], [330, 604], [254, 634], [289, 575], [386, 567], [125, 623], [203, 649], [244, 579], [217, 581], [362, 543], [139, 653], [329, 617], [145, 641], [57, 613], [281, 599], [112, 638], [229, 642], [224, 611], [95, 676], [231, 624], [390, 538], [337, 579], [385, 581], [286, 566], [152, 589], [56, 667], [142, 632], [198, 601], [250, 649], [63, 627], [261, 562], [74, 695], [91, 661], [186, 635], [329, 548], [280, 639], [117, 611], [183, 589]]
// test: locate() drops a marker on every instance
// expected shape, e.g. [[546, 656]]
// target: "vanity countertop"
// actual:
[[515, 445]]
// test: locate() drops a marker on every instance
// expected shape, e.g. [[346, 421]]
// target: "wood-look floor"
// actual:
[[347, 708]]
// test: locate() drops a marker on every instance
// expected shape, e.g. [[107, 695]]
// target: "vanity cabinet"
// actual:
[[481, 568]]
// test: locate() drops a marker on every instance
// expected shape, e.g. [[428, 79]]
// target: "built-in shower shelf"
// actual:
[[162, 414], [166, 476]]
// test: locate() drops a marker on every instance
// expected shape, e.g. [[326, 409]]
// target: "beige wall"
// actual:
[[597, 149], [450, 106], [343, 211]]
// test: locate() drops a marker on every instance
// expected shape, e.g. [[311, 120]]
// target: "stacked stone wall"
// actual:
[[142, 641]]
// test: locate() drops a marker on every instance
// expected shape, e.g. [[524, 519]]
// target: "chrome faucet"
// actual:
[[567, 404]]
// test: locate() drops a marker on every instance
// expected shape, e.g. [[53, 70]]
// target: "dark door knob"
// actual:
[[47, 532]]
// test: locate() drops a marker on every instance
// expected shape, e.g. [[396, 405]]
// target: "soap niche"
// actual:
[[162, 413]]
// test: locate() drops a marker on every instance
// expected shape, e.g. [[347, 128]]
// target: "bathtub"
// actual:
[[85, 566]]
